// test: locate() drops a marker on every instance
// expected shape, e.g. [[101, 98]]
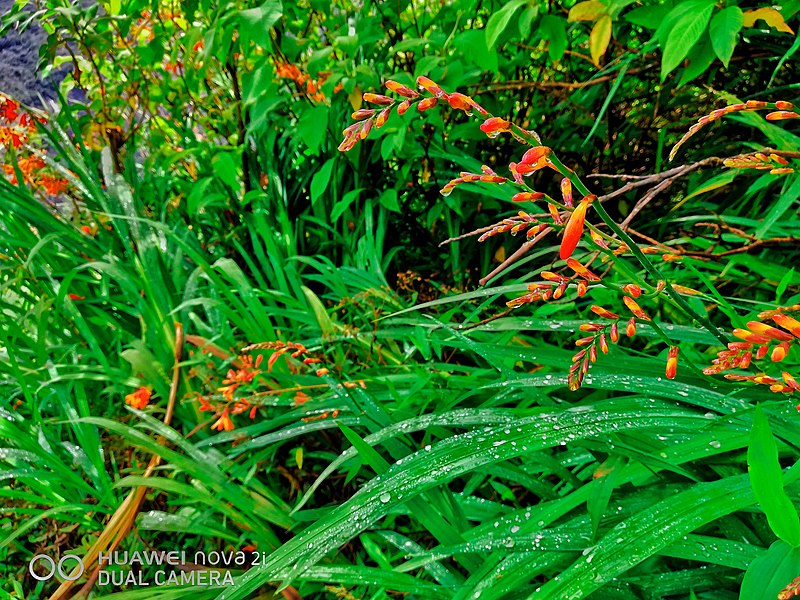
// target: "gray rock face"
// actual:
[[19, 53]]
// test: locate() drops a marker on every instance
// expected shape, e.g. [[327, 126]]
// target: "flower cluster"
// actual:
[[781, 110], [776, 164], [367, 118], [602, 333], [790, 591], [311, 86], [757, 342], [140, 398]]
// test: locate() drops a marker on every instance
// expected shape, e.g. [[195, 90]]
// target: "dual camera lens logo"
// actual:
[[63, 572]]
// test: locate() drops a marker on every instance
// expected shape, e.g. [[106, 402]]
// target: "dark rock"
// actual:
[[19, 54]]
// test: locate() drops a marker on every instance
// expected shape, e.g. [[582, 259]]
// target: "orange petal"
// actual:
[[573, 230]]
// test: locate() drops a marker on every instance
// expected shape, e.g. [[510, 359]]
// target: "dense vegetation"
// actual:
[[403, 299]]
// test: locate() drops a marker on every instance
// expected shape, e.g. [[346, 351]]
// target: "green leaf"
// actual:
[[649, 17], [768, 574], [255, 22], [319, 183], [645, 534], [554, 30], [499, 21], [783, 284], [388, 199], [724, 30], [313, 127], [700, 58], [766, 478], [685, 33]]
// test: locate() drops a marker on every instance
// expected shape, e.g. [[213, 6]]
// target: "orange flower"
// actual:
[[581, 270], [603, 312], [672, 362], [780, 351], [769, 331], [430, 86], [72, 296], [574, 227], [780, 115], [635, 308], [224, 422], [378, 99], [139, 399], [494, 126], [402, 90], [788, 323]]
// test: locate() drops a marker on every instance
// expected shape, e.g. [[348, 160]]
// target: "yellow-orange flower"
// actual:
[[224, 422], [672, 362]]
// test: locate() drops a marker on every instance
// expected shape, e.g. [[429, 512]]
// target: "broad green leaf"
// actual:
[[768, 574], [646, 533], [724, 30], [320, 180], [313, 125], [684, 34], [553, 29], [499, 21], [599, 38], [649, 17], [590, 10], [461, 454], [700, 58], [766, 478]]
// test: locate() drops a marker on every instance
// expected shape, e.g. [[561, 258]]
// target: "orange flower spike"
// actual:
[[672, 362], [402, 90], [787, 323], [635, 308], [782, 115], [581, 270], [494, 126], [224, 422], [780, 351], [630, 328], [139, 399], [769, 331], [378, 99], [566, 191], [430, 86], [574, 229], [603, 312]]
